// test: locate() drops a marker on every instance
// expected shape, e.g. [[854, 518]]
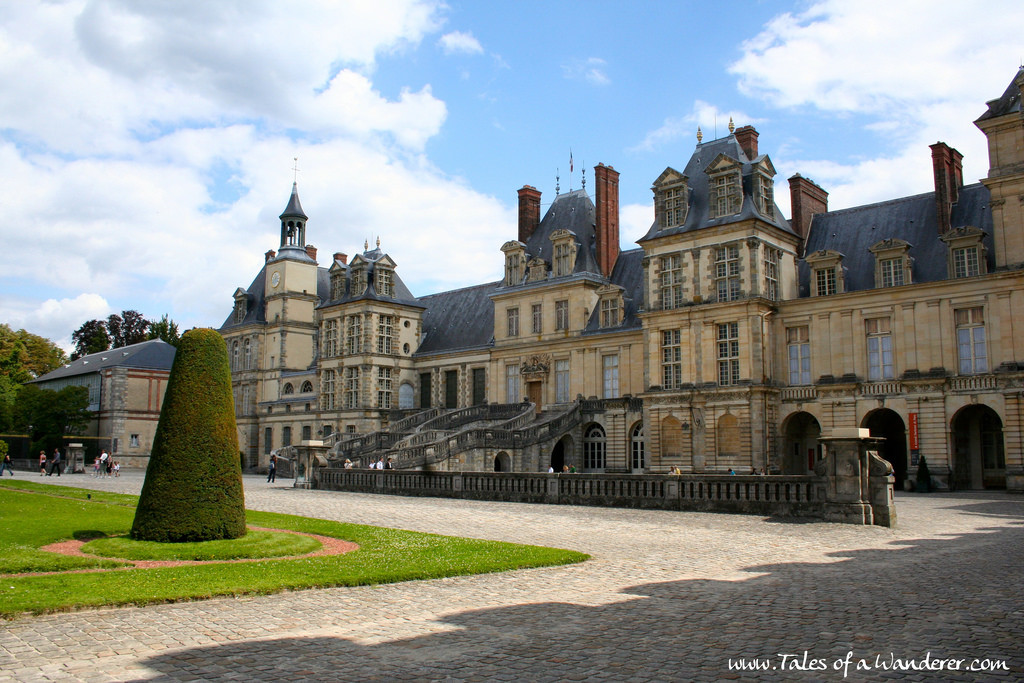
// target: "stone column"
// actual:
[[847, 471]]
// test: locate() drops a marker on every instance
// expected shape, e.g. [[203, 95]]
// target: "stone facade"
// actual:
[[732, 339]]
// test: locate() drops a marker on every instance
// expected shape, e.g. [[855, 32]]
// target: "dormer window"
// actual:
[[671, 199], [385, 284], [537, 270], [610, 305], [726, 187], [764, 188], [966, 252], [337, 284], [564, 252], [358, 281], [892, 263], [826, 272], [515, 262], [241, 305]]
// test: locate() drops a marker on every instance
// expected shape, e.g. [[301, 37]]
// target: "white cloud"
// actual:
[[458, 42], [915, 72], [55, 319], [634, 222], [591, 70], [710, 119]]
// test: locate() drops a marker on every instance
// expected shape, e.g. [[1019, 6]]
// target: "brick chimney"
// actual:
[[311, 251], [529, 211], [747, 137], [338, 256], [606, 223], [806, 199], [947, 166], [270, 254]]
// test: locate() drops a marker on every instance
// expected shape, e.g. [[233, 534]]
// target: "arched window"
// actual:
[[307, 387], [594, 448], [637, 451], [288, 389], [248, 355]]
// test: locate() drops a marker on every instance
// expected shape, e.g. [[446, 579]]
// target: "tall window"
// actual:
[[563, 260], [562, 315], [671, 281], [512, 383], [972, 351], [234, 356], [327, 390], [825, 281], [358, 281], [799, 347], [673, 202], [966, 262], [610, 368], [765, 192], [330, 338], [727, 272], [351, 388], [609, 312], [512, 319], [286, 436], [385, 332], [538, 319], [879, 349], [637, 449], [892, 272], [561, 381], [354, 334], [671, 359], [240, 310], [771, 273], [728, 353], [268, 439], [385, 284], [594, 448], [247, 354], [384, 388]]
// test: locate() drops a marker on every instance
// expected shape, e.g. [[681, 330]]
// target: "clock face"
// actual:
[[275, 279]]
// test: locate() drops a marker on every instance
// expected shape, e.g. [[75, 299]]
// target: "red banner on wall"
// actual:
[[914, 435]]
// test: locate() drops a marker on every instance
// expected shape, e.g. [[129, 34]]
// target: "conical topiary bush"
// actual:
[[193, 488]]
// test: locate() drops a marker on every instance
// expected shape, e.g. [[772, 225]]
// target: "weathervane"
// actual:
[[295, 169]]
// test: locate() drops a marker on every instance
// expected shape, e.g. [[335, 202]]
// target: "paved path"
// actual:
[[667, 596]]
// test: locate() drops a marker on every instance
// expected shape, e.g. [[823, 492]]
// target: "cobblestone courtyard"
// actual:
[[667, 596]]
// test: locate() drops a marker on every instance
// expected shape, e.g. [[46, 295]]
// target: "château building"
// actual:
[[732, 338]]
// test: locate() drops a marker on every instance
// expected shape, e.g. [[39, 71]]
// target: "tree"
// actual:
[[38, 355], [127, 329], [193, 488], [91, 337], [47, 415], [165, 329]]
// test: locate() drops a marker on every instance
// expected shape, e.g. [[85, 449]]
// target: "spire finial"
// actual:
[[295, 170], [732, 126], [700, 135], [556, 181], [366, 245], [584, 176], [378, 241]]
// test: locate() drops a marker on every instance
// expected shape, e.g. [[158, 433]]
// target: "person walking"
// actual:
[[8, 465], [42, 463], [272, 471], [55, 466]]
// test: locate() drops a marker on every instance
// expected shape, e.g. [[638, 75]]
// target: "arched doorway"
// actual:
[[558, 454], [978, 457], [887, 424], [502, 462], [594, 448], [802, 448]]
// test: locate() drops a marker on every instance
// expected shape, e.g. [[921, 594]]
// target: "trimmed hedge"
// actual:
[[193, 488]]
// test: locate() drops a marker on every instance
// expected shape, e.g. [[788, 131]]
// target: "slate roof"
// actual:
[[461, 319], [853, 231], [154, 354], [575, 212], [1008, 103], [402, 293], [294, 208], [628, 274], [700, 191]]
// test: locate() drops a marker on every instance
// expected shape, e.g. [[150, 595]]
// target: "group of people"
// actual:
[[379, 464], [105, 465], [53, 462]]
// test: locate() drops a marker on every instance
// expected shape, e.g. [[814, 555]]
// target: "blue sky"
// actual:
[[146, 148]]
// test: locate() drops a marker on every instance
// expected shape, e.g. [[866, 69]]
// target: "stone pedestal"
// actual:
[[311, 455], [849, 495], [76, 458]]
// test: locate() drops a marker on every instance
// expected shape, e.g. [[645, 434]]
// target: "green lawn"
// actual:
[[33, 515]]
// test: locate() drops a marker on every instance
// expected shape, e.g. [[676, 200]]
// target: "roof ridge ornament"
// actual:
[[732, 126], [700, 135]]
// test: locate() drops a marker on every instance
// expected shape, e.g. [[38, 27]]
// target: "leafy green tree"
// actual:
[[127, 329], [36, 356], [165, 329], [91, 337], [47, 415], [193, 488]]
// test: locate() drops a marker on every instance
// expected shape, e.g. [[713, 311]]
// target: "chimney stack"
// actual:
[[269, 255], [529, 211], [947, 167], [747, 137], [806, 199], [311, 251], [338, 256], [606, 222]]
